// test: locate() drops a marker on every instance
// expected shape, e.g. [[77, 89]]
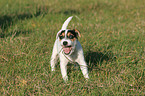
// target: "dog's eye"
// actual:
[[61, 37], [71, 37]]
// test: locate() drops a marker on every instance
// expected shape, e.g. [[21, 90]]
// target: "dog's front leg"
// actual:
[[53, 61], [63, 66], [84, 68], [54, 57]]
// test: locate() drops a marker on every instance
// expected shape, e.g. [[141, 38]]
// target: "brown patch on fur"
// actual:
[[62, 34], [69, 33]]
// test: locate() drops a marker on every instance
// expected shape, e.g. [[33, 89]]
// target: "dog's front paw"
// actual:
[[52, 69], [65, 78], [86, 77]]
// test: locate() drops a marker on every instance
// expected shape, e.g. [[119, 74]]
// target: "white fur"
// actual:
[[65, 24], [76, 55]]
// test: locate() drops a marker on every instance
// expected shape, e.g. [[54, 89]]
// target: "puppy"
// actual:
[[68, 49]]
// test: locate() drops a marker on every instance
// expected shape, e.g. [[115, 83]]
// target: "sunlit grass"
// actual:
[[112, 39]]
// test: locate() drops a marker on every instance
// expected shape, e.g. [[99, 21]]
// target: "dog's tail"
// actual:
[[65, 24]]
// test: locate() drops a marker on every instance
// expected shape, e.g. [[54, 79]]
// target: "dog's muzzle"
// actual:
[[66, 48]]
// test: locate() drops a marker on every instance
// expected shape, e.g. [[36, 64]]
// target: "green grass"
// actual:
[[113, 40]]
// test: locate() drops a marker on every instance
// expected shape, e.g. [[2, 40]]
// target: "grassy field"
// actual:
[[113, 40]]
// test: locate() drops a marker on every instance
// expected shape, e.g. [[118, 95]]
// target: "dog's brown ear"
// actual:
[[78, 33]]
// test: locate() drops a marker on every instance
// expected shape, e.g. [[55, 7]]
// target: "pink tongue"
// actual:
[[67, 50]]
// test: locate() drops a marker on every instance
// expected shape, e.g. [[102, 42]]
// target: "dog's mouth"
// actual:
[[67, 49]]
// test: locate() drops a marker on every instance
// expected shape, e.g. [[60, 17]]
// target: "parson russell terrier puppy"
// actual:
[[68, 49]]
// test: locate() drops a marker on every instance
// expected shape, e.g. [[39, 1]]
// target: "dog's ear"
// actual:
[[77, 32]]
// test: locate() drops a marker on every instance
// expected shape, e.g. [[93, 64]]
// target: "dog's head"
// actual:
[[68, 40]]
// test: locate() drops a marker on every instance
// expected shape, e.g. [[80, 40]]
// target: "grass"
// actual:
[[112, 38]]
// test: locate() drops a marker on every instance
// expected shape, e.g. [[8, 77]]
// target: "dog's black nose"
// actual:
[[65, 43]]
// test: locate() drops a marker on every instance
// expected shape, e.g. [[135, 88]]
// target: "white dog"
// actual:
[[68, 49]]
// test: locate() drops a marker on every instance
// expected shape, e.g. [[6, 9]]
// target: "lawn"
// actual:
[[113, 40]]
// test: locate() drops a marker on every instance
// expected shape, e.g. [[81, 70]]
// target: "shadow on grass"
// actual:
[[95, 58], [7, 20]]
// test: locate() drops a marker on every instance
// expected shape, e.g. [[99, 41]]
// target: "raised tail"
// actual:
[[65, 24]]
